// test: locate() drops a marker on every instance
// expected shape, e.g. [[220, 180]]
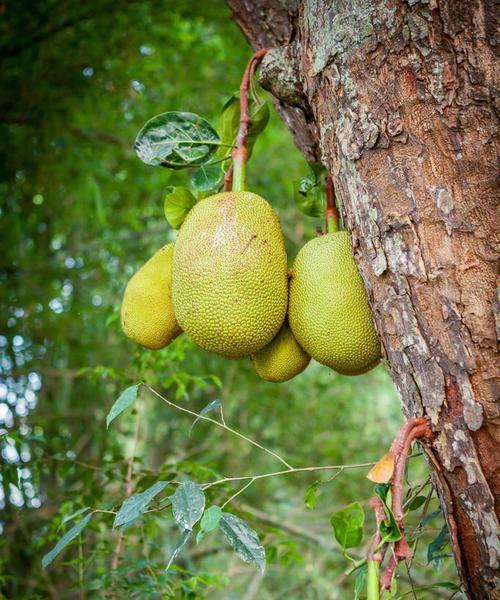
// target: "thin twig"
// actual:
[[238, 492], [128, 492], [219, 424]]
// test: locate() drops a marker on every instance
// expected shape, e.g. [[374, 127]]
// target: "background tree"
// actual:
[[397, 99]]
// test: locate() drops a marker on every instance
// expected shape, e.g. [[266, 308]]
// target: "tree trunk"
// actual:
[[396, 98]]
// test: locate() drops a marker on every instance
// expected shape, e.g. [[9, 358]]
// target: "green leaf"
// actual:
[[207, 178], [176, 140], [417, 502], [436, 547], [310, 498], [126, 399], [229, 122], [210, 520], [310, 198], [185, 535], [72, 516], [134, 506], [430, 517], [178, 202], [65, 540], [360, 583], [188, 503], [318, 170], [244, 540], [211, 406], [389, 529], [347, 525]]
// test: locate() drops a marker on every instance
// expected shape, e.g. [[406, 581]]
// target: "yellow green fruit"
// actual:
[[230, 286], [147, 314], [282, 358], [328, 311]]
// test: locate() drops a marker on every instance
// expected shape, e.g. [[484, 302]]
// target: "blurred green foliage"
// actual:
[[80, 213]]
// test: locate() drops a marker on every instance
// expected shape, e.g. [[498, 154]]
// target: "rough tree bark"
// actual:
[[396, 98]]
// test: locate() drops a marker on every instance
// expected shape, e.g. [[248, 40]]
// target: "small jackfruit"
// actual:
[[328, 311], [282, 358], [230, 286], [147, 314]]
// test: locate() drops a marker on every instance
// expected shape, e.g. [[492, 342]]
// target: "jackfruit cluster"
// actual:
[[226, 284]]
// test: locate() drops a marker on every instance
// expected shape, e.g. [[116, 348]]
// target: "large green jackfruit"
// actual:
[[328, 310], [282, 359], [147, 314], [229, 285]]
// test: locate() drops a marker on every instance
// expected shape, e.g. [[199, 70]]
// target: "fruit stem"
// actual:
[[235, 178], [331, 212]]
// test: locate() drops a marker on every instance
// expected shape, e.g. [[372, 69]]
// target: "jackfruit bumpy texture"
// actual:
[[147, 314], [230, 286], [282, 358], [329, 312]]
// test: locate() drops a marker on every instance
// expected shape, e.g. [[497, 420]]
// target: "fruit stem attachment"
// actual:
[[235, 178], [331, 212]]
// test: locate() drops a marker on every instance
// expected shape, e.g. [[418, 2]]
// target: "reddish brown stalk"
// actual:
[[416, 428], [240, 154], [331, 212], [374, 552]]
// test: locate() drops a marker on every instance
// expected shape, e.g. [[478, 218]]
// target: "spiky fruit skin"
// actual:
[[329, 312], [230, 286], [282, 359], [147, 313]]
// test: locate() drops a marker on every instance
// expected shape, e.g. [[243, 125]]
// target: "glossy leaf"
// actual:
[[126, 399], [347, 525], [178, 202], [207, 178], [188, 503], [73, 516], [185, 535], [177, 140], [68, 537], [134, 506], [211, 519], [244, 540]]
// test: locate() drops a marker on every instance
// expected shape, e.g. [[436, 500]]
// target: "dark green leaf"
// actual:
[[207, 178], [417, 502], [347, 525], [65, 540], [178, 202], [436, 547], [309, 197], [188, 503], [318, 170], [210, 520], [176, 140], [310, 498], [125, 400], [186, 533], [389, 529], [134, 506], [211, 406], [243, 539], [73, 516]]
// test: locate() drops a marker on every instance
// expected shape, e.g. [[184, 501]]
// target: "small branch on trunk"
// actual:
[[331, 212], [235, 176]]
